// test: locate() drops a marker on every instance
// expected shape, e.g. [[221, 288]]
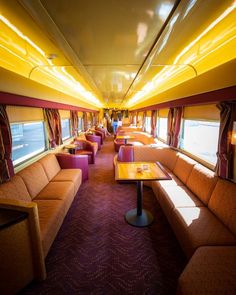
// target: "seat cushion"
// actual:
[[73, 175], [201, 182], [15, 189], [211, 270], [166, 156], [34, 178], [197, 226], [174, 181], [183, 167], [223, 203], [57, 191], [171, 197], [51, 215], [50, 165]]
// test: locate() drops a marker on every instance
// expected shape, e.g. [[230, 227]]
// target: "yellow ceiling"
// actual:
[[119, 53]]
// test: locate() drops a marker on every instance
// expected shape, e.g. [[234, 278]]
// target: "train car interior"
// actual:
[[118, 147]]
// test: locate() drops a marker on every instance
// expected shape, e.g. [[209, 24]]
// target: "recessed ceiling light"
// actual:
[[51, 56]]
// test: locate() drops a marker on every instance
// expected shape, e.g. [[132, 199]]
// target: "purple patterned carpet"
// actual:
[[97, 252]]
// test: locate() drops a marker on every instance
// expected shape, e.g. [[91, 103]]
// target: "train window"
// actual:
[[80, 123], [162, 128], [65, 126], [148, 124], [28, 140], [200, 138]]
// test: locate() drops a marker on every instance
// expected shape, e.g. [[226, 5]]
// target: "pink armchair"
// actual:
[[98, 133], [68, 161], [85, 147], [94, 138]]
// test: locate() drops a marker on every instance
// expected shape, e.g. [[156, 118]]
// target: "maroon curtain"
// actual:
[[74, 122], [53, 122], [225, 154], [173, 126], [154, 123], [85, 121], [169, 125], [178, 112], [6, 165]]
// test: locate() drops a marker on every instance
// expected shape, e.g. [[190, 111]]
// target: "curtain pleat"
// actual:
[[6, 165], [154, 123], [173, 126], [53, 123], [74, 122], [225, 153], [85, 121]]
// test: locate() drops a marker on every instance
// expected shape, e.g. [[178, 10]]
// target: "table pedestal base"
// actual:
[[142, 220]]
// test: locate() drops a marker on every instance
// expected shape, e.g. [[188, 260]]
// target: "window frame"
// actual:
[[158, 129], [196, 157], [69, 127], [26, 159]]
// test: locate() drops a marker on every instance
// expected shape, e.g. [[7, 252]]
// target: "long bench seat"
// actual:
[[45, 191], [199, 206]]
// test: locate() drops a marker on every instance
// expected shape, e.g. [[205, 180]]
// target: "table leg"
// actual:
[[139, 217]]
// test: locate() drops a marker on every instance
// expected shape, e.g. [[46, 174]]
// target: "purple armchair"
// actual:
[[85, 147], [126, 153], [98, 133], [94, 138], [68, 161]]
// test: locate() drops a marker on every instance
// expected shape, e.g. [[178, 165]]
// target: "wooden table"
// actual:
[[125, 137], [140, 171]]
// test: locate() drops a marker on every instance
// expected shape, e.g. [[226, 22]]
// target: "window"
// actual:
[[200, 138], [162, 128], [80, 124], [65, 126], [28, 140], [148, 124]]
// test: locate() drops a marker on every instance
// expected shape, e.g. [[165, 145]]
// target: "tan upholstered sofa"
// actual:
[[45, 192], [201, 209]]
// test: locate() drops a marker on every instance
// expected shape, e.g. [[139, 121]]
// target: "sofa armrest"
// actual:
[[68, 161], [34, 229]]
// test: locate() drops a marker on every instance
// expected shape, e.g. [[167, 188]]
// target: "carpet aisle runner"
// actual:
[[97, 252]]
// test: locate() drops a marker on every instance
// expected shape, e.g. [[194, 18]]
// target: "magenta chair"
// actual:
[[85, 147], [68, 161], [126, 153], [94, 138]]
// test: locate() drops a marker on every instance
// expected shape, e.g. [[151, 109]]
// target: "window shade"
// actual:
[[163, 113], [202, 112], [24, 114], [64, 114]]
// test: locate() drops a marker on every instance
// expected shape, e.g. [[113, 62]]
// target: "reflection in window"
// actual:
[[200, 138], [65, 127], [28, 140], [80, 124], [148, 124], [162, 128]]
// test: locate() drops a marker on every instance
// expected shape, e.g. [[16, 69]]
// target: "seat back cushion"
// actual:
[[165, 156], [183, 167], [223, 203], [50, 166], [126, 154], [202, 182], [15, 189], [34, 178]]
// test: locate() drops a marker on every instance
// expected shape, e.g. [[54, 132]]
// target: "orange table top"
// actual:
[[141, 171], [125, 137]]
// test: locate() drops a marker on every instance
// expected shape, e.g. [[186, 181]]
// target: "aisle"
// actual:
[[97, 252]]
